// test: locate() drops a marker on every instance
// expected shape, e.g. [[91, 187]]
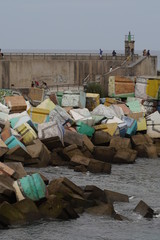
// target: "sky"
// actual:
[[79, 24]]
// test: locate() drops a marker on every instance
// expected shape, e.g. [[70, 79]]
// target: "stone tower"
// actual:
[[129, 44]]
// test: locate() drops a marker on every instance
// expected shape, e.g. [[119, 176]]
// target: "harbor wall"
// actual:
[[19, 70]]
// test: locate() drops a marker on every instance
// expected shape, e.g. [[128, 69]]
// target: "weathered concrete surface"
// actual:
[[21, 69]]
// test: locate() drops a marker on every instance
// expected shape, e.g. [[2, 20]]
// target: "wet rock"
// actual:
[[7, 192], [144, 210], [70, 192], [28, 209], [65, 187], [125, 156], [9, 215], [120, 217], [120, 143], [112, 196], [101, 138], [102, 209], [96, 166], [80, 168], [92, 192], [104, 153], [55, 207]]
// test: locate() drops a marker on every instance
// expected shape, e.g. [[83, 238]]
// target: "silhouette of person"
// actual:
[[100, 53]]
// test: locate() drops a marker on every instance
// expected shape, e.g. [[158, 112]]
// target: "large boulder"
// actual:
[[101, 138], [96, 166], [125, 156], [56, 207], [7, 192], [102, 209], [40, 155], [28, 209], [10, 215], [112, 196], [120, 143], [93, 193], [144, 210], [104, 153]]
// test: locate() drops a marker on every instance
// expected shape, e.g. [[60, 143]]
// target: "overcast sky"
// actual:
[[79, 24]]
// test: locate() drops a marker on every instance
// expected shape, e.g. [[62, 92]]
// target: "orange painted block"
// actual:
[[16, 103]]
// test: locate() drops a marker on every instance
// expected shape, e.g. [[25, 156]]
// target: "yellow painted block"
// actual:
[[92, 100], [47, 104], [110, 101], [111, 129], [152, 87], [100, 126], [27, 133], [141, 124], [38, 115]]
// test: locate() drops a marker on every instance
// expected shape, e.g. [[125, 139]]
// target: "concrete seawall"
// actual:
[[68, 69]]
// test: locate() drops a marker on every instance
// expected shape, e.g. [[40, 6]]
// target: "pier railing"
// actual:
[[62, 56]]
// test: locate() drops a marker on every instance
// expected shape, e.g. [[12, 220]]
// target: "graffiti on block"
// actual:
[[51, 79]]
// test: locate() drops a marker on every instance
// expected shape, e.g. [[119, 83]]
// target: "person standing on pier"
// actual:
[[100, 53]]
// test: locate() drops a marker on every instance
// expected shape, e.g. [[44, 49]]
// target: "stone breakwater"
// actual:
[[75, 130]]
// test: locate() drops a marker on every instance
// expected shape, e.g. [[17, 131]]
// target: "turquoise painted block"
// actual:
[[131, 125], [33, 187], [12, 142], [85, 129]]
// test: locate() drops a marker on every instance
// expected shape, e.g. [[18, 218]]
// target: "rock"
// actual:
[[40, 155], [18, 168], [115, 196], [71, 138], [92, 192], [120, 143], [141, 139], [65, 187], [104, 153], [96, 166], [55, 207], [9, 215], [151, 151], [70, 192], [72, 150], [80, 160], [7, 192], [3, 148], [28, 209], [103, 209], [80, 168], [120, 217], [144, 210], [101, 138], [57, 160], [125, 156], [4, 169]]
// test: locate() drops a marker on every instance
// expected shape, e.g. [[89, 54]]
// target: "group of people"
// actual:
[[146, 53], [36, 84], [101, 53]]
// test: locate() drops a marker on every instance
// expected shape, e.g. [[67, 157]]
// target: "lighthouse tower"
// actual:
[[129, 44]]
